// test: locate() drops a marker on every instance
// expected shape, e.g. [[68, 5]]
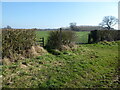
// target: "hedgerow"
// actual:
[[101, 35], [16, 41]]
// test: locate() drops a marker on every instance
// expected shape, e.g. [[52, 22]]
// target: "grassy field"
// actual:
[[88, 66], [82, 37], [40, 34]]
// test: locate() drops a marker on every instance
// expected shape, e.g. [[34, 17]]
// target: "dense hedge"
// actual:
[[58, 38], [16, 41], [101, 35], [0, 46]]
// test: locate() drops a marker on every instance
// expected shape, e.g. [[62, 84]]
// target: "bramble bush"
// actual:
[[58, 38], [17, 41]]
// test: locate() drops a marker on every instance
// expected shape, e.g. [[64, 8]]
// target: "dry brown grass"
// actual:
[[36, 51]]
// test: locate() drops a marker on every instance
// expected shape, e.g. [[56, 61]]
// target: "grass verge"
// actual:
[[88, 66]]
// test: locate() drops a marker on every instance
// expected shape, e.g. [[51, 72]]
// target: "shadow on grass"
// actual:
[[52, 51]]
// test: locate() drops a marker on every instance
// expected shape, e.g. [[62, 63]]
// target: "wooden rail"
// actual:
[[41, 41]]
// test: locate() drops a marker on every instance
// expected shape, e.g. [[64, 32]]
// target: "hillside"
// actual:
[[88, 66]]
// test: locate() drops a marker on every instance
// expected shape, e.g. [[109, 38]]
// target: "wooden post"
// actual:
[[89, 38], [61, 36], [43, 41]]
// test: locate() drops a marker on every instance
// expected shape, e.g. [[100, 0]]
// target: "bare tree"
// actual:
[[73, 26], [108, 22], [7, 27]]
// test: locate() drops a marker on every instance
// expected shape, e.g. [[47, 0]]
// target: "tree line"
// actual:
[[107, 24]]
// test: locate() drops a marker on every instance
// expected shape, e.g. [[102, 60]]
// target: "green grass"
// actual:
[[88, 66], [82, 37], [40, 34]]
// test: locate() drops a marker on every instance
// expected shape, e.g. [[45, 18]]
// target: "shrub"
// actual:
[[101, 35], [16, 41], [58, 38], [0, 48]]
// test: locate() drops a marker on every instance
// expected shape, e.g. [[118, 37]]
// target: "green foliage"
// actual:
[[101, 35], [0, 47], [58, 38], [16, 41]]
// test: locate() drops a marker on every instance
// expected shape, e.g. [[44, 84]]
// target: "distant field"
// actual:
[[40, 34], [82, 37]]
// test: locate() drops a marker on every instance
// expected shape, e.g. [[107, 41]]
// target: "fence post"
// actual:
[[43, 41], [89, 38], [61, 36]]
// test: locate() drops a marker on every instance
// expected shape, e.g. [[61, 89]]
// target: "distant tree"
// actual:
[[8, 27], [73, 26], [108, 22], [34, 28], [88, 28]]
